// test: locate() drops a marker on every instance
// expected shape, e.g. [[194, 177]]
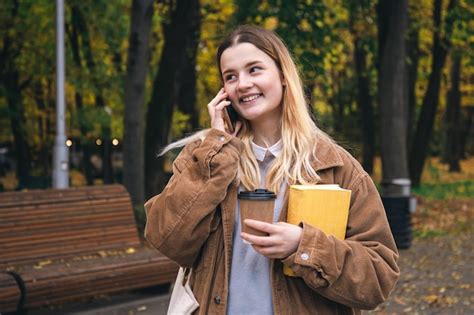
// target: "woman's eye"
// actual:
[[253, 69], [229, 77]]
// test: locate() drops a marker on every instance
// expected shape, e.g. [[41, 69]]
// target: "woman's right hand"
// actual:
[[216, 108]]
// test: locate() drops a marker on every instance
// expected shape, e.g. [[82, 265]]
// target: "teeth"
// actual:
[[250, 98]]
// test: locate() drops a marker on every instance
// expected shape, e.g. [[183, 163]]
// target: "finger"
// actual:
[[284, 224], [222, 104], [215, 111], [260, 249], [269, 252], [216, 100], [246, 237], [260, 225], [263, 241], [219, 97]]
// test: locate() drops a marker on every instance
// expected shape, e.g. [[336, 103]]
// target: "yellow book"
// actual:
[[323, 206]]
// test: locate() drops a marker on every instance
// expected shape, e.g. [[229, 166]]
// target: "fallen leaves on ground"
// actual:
[[447, 216], [436, 272]]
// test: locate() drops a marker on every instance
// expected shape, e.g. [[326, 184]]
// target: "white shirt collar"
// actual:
[[261, 152]]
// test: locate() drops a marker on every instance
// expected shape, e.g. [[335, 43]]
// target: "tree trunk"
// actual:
[[89, 173], [364, 101], [137, 68], [466, 130], [160, 110], [424, 128], [452, 117], [412, 70], [44, 154], [11, 83], [337, 105], [186, 97], [392, 17], [308, 91], [12, 90]]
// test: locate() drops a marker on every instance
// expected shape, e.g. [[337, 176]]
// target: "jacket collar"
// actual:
[[327, 155]]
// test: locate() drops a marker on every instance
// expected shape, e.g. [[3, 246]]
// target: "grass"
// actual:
[[428, 233], [450, 190]]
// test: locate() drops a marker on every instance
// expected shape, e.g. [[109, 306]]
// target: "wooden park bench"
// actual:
[[58, 245]]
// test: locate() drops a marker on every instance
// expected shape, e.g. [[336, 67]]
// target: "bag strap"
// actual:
[[186, 275]]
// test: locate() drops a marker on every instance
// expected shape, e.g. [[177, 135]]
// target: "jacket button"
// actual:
[[217, 299], [304, 256], [221, 138]]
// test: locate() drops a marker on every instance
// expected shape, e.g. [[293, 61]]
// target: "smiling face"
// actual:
[[253, 82]]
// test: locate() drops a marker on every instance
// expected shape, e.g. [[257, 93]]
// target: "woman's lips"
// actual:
[[250, 98]]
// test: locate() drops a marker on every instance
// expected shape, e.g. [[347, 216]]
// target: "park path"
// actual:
[[436, 271]]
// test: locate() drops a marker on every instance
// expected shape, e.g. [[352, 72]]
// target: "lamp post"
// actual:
[[61, 152]]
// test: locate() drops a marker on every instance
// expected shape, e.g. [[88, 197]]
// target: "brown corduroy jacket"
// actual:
[[192, 222]]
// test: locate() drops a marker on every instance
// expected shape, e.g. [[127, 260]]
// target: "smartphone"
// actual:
[[230, 117]]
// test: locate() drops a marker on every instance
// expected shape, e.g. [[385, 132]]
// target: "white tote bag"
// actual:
[[182, 300]]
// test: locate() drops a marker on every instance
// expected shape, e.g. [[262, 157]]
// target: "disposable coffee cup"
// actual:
[[256, 205]]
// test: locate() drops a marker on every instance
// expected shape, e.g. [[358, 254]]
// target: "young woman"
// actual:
[[195, 220]]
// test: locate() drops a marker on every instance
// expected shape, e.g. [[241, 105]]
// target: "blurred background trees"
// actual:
[[140, 74]]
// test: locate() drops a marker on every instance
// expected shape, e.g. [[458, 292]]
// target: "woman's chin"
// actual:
[[251, 114], [251, 117], [259, 117]]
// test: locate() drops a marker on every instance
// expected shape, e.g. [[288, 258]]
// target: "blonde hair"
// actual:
[[294, 163]]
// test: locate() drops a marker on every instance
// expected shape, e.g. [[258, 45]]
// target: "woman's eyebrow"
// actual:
[[249, 64]]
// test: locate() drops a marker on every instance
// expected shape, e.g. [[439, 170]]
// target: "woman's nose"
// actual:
[[245, 82]]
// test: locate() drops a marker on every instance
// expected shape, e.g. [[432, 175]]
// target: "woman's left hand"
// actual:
[[283, 239]]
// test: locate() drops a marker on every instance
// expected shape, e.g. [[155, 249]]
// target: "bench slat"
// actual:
[[66, 196], [17, 230], [48, 238], [58, 224], [40, 196], [60, 209]]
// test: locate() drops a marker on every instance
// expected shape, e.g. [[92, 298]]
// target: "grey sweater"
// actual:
[[250, 284]]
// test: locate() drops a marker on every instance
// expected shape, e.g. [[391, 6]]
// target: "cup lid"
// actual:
[[257, 194]]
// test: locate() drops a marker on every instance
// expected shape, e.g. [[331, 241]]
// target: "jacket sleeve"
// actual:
[[179, 219], [361, 270]]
